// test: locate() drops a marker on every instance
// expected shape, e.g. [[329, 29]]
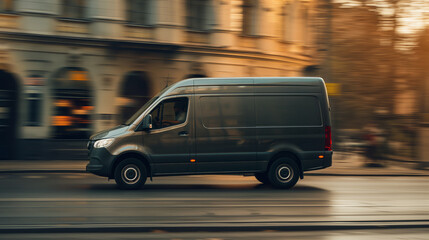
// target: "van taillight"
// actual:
[[328, 139]]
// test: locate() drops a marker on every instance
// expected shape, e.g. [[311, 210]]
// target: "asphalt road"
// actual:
[[70, 206]]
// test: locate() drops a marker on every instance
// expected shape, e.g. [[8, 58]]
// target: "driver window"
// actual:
[[170, 112]]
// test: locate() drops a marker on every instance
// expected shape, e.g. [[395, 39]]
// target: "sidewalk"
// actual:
[[343, 165], [357, 165], [218, 227], [23, 166]]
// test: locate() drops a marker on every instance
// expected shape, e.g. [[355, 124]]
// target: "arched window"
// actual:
[[134, 93], [73, 104]]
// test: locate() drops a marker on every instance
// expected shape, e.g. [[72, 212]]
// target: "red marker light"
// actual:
[[328, 138]]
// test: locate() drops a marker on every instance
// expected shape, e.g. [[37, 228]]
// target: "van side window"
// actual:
[[170, 112], [227, 111], [285, 111]]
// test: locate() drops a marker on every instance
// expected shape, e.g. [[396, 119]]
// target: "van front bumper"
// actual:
[[100, 161]]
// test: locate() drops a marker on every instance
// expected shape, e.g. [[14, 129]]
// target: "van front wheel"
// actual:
[[283, 173], [130, 174]]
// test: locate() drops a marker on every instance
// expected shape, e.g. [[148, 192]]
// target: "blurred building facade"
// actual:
[[379, 79], [422, 51], [69, 68]]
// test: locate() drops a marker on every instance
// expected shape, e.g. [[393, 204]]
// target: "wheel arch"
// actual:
[[131, 154], [290, 155]]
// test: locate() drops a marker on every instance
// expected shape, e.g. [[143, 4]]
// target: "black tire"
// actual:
[[130, 174], [262, 177], [283, 173]]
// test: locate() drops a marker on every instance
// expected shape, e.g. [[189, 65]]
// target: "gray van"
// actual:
[[272, 128]]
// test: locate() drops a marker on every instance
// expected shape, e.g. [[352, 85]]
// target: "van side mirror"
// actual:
[[146, 123]]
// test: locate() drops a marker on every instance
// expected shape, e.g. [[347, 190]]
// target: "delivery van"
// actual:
[[273, 128]]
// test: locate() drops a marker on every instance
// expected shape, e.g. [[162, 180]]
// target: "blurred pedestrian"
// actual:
[[373, 138]]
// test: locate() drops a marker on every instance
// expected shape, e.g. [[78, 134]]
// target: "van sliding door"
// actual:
[[225, 133]]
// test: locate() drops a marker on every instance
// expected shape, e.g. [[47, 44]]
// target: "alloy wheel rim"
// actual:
[[130, 174], [284, 173]]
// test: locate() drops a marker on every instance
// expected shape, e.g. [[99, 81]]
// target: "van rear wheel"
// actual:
[[130, 174], [283, 173], [262, 177]]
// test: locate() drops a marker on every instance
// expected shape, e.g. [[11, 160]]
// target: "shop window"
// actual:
[[72, 104], [73, 8], [6, 5], [140, 12], [197, 15]]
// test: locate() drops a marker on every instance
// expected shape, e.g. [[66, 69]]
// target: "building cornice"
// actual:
[[152, 46], [88, 41]]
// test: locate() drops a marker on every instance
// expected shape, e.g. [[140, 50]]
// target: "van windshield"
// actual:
[[142, 109]]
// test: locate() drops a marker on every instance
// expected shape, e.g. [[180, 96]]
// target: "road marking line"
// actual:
[[73, 176], [34, 177]]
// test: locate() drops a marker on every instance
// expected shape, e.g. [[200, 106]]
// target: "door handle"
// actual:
[[183, 133]]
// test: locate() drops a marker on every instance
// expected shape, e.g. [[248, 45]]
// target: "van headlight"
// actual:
[[103, 143]]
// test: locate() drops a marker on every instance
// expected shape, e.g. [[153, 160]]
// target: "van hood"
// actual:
[[110, 133]]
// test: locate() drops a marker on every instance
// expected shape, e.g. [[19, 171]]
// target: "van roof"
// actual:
[[252, 80]]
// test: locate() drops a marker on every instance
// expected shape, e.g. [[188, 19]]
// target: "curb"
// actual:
[[217, 228], [42, 171], [366, 175]]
